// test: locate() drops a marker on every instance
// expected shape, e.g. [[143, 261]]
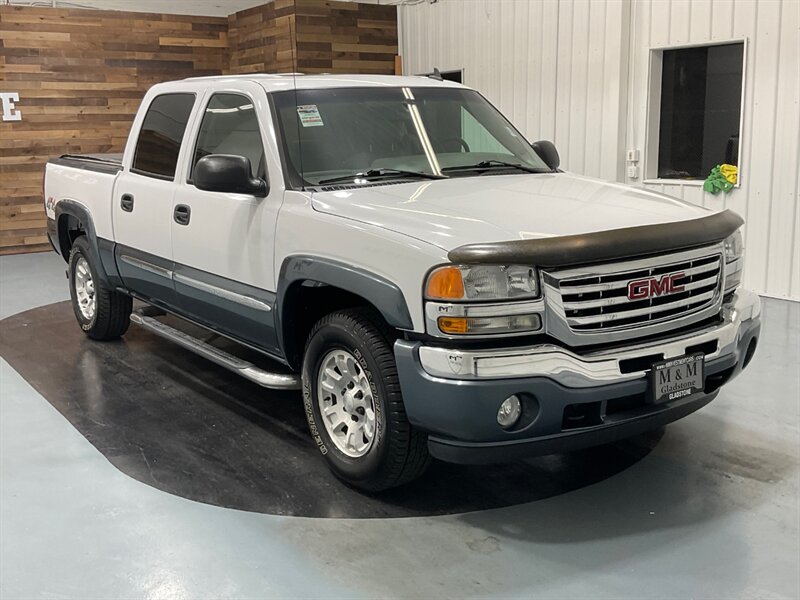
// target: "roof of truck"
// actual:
[[286, 81]]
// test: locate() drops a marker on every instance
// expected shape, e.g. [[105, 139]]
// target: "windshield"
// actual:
[[397, 133]]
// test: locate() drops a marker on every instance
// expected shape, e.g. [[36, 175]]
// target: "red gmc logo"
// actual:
[[652, 287]]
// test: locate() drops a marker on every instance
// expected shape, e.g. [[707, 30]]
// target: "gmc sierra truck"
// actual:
[[433, 282]]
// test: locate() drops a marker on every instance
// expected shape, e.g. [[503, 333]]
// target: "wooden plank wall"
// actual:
[[332, 37], [260, 39], [346, 37], [80, 75]]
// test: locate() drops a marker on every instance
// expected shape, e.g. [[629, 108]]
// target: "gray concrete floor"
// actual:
[[712, 512]]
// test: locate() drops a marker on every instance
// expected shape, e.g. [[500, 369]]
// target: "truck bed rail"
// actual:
[[102, 163]]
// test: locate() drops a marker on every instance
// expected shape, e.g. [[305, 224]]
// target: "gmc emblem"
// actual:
[[652, 287]]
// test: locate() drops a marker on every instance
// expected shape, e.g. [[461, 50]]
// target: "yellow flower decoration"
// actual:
[[730, 172]]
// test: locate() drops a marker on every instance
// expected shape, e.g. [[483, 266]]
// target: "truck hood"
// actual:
[[453, 212]]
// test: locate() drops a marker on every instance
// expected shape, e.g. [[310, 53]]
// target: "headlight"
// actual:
[[734, 246], [481, 300], [482, 282], [734, 253]]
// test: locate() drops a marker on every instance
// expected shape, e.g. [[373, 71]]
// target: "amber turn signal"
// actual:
[[487, 325], [453, 325], [445, 283]]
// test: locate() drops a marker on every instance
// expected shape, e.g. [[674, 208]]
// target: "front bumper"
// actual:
[[570, 400]]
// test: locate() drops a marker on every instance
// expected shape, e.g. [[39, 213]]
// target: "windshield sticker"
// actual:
[[309, 115]]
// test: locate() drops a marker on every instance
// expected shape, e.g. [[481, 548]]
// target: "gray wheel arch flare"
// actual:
[[384, 295], [104, 262]]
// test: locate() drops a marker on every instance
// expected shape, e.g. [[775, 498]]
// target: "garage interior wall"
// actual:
[[346, 37], [331, 37], [770, 138], [81, 74], [260, 39], [556, 69], [576, 72]]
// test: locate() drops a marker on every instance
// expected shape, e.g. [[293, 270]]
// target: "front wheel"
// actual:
[[353, 402], [102, 312]]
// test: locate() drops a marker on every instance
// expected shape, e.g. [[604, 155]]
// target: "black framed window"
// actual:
[[701, 92], [230, 126], [161, 134]]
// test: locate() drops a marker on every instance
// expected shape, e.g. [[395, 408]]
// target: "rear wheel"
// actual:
[[353, 402], [102, 313]]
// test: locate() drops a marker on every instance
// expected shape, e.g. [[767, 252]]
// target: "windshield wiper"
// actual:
[[494, 164], [380, 174]]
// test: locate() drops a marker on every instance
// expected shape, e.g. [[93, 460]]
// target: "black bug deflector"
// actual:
[[602, 246]]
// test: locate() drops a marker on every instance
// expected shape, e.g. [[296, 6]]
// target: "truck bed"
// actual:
[[87, 180]]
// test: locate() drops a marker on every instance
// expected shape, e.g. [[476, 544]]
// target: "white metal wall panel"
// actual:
[[576, 72], [554, 67], [770, 138]]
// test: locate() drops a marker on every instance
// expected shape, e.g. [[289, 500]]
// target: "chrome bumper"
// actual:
[[591, 369]]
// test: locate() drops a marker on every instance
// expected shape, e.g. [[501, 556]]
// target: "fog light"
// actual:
[[509, 413]]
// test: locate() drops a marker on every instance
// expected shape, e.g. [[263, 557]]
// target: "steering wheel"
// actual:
[[460, 140]]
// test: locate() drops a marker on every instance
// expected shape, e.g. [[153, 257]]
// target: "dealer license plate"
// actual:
[[677, 378]]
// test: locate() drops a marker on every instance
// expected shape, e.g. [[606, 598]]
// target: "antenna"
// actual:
[[436, 74], [293, 36]]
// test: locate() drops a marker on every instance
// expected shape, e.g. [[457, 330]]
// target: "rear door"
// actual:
[[223, 246], [142, 203]]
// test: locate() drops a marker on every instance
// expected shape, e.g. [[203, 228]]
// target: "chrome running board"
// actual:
[[241, 367]]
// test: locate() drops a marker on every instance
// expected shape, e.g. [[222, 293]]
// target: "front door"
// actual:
[[142, 203], [223, 243]]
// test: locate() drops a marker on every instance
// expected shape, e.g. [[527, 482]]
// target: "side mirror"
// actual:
[[228, 173], [548, 153]]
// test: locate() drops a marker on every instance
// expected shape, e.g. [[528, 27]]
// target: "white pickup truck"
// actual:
[[432, 281]]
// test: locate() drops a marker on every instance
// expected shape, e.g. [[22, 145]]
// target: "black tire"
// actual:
[[399, 453], [112, 312]]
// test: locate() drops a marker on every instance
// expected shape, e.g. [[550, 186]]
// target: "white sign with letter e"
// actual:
[[10, 112]]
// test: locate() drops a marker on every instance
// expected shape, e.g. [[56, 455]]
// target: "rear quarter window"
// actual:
[[161, 135]]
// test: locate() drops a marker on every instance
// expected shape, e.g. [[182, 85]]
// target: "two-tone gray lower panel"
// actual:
[[143, 265], [240, 311], [148, 276], [247, 300], [461, 415], [460, 452]]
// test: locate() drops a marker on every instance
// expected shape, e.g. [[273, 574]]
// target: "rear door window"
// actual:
[[161, 134]]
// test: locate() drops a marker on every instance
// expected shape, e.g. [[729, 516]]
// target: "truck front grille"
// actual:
[[604, 300]]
